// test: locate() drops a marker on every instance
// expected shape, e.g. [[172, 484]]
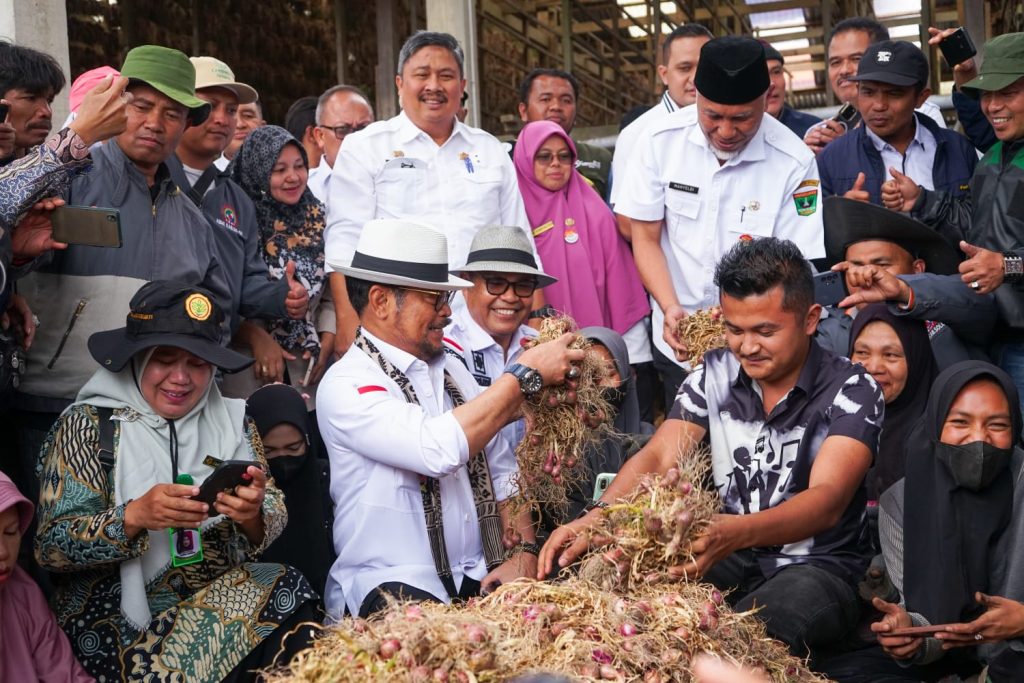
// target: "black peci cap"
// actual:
[[732, 70]]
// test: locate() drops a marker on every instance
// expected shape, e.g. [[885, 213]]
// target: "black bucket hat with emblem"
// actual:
[[166, 313]]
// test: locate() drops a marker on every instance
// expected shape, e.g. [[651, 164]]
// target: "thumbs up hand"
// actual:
[[297, 301], [857, 191], [983, 270], [900, 193]]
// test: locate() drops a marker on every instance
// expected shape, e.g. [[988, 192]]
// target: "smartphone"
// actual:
[[4, 110], [602, 483], [226, 477], [919, 631], [957, 47], [829, 288], [848, 116], [87, 225]]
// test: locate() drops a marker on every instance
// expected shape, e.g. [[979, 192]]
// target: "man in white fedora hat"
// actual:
[[486, 334], [419, 478]]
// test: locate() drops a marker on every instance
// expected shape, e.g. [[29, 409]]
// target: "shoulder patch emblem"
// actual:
[[806, 202]]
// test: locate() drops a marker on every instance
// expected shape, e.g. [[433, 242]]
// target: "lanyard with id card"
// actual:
[[186, 544]]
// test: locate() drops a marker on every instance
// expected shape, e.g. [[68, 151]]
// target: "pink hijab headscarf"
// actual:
[[34, 648], [579, 243]]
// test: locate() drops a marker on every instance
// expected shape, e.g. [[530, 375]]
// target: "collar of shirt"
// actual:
[[412, 367], [669, 103], [478, 339], [754, 151], [408, 131], [923, 138], [804, 382]]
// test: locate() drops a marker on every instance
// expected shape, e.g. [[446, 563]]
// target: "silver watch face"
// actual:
[[532, 382], [1013, 266]]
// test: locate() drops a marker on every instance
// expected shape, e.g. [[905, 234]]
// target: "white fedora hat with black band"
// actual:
[[402, 253]]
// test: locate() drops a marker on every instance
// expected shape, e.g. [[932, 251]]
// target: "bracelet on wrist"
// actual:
[[596, 505], [525, 547], [1013, 267]]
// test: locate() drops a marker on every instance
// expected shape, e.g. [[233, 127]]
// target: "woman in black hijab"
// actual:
[[944, 526], [897, 353], [279, 412]]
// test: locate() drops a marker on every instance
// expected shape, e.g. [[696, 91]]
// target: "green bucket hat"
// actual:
[[170, 72], [1003, 64]]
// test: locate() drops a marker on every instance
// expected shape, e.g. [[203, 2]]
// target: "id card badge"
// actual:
[[186, 546]]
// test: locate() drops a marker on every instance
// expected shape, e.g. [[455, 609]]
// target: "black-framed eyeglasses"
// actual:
[[441, 299], [345, 129], [496, 286]]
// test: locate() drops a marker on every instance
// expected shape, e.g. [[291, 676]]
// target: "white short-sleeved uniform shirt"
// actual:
[[392, 169], [771, 188], [471, 345], [629, 139], [318, 180], [379, 446]]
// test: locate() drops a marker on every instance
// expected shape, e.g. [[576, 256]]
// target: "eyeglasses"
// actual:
[[545, 157], [496, 286], [345, 129], [441, 299]]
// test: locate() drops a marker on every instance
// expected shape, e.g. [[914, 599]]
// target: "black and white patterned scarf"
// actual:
[[430, 488]]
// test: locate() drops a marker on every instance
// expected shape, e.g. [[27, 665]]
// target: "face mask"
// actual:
[[284, 467], [975, 465]]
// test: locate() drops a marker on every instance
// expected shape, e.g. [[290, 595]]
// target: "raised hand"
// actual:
[[900, 193], [104, 111], [297, 301], [857, 191]]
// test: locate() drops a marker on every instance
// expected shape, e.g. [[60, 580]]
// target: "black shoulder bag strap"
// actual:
[[106, 447], [198, 191]]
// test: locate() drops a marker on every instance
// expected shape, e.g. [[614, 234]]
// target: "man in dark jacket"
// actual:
[[892, 78], [227, 208], [990, 221], [796, 121]]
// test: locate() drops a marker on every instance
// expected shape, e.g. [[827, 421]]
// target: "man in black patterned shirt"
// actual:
[[793, 429]]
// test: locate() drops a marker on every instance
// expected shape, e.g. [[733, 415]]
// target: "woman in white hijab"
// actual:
[[139, 592]]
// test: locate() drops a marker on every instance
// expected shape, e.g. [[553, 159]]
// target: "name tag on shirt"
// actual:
[[404, 162], [684, 188]]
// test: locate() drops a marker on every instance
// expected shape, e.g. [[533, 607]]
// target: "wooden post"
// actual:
[[339, 39], [458, 17], [387, 56], [826, 30]]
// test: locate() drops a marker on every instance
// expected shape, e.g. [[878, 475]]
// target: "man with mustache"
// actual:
[[423, 164], [29, 80], [894, 139], [420, 476], [716, 173]]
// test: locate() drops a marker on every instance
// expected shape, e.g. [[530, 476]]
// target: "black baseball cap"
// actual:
[[166, 313], [896, 62]]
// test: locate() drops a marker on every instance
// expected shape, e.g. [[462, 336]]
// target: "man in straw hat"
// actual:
[[719, 172], [85, 289], [418, 477], [988, 224]]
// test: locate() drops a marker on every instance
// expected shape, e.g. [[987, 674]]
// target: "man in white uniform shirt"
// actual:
[[419, 478], [680, 53], [340, 111], [423, 164], [486, 334], [719, 171]]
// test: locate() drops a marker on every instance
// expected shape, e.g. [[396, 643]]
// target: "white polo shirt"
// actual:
[[392, 169], [771, 188], [474, 347], [628, 140], [379, 446], [318, 179]]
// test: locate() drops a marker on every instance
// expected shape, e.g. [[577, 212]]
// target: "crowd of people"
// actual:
[[294, 391]]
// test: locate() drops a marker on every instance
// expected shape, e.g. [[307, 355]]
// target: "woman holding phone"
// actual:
[[151, 583]]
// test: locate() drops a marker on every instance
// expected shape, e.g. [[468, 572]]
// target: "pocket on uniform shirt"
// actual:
[[393, 489], [752, 224], [681, 209], [399, 188]]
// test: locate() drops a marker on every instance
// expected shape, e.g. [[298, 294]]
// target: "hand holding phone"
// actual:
[[87, 225], [957, 47], [226, 477], [848, 116], [919, 631], [829, 288]]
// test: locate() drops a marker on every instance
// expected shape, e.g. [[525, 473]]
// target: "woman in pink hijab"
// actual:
[[32, 646], [576, 236]]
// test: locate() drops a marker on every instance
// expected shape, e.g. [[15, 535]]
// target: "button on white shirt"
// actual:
[[392, 169], [771, 188], [380, 446], [318, 180], [465, 339]]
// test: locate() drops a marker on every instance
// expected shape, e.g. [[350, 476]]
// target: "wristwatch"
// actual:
[[1013, 267], [547, 311], [525, 547], [530, 381]]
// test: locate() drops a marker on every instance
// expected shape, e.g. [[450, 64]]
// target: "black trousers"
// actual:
[[377, 599], [671, 377]]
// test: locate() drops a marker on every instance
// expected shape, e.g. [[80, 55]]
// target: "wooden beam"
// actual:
[[387, 98]]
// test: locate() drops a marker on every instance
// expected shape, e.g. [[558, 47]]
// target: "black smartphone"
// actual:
[[829, 288], [848, 116], [88, 225], [226, 477], [5, 109], [957, 47]]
